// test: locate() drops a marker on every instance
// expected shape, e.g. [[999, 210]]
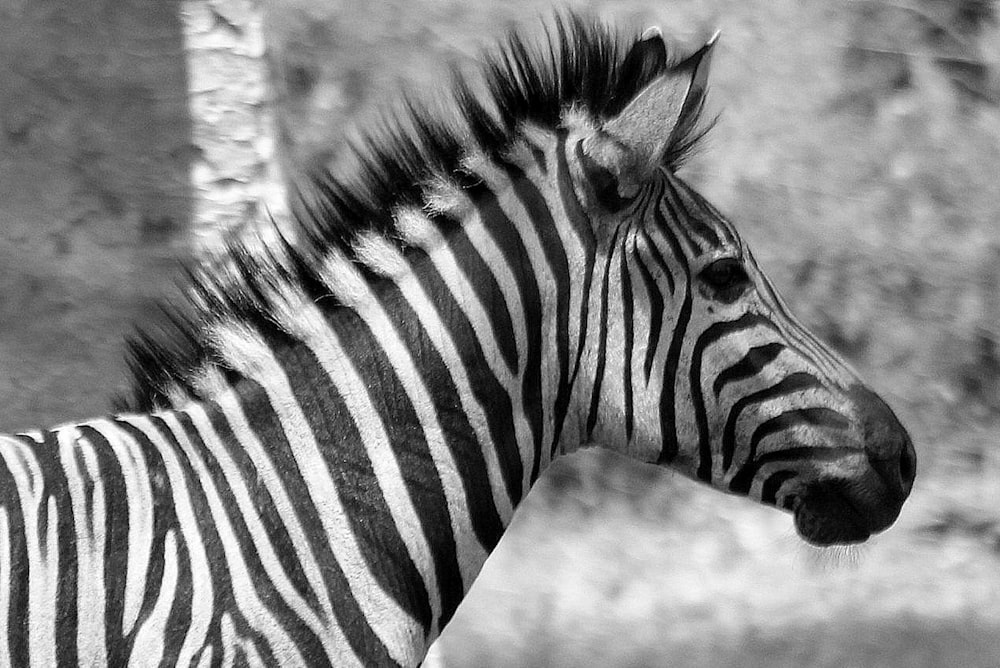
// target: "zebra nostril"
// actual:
[[896, 472], [907, 465], [888, 446]]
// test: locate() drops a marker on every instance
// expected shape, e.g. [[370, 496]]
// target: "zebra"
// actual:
[[324, 443]]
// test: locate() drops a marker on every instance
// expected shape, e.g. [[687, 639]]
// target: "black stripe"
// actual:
[[795, 382], [507, 238], [486, 388], [655, 316], [576, 213], [540, 216], [347, 463], [699, 211], [752, 363], [807, 453], [680, 218], [55, 487], [485, 285], [627, 306], [602, 338], [584, 227], [769, 491], [409, 447], [20, 573], [350, 464], [818, 416], [164, 520], [459, 435], [660, 262], [536, 153], [668, 420], [267, 594], [655, 306], [116, 528], [274, 524], [211, 544], [712, 335]]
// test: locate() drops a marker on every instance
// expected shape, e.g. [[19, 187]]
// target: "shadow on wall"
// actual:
[[94, 202]]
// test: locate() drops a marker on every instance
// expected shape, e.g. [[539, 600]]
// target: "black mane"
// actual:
[[580, 65]]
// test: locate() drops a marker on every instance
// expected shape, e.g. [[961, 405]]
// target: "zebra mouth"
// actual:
[[830, 512]]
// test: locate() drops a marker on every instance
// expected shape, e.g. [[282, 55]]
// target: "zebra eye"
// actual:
[[726, 278]]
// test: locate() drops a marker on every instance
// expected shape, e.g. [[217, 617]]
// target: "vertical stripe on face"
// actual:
[[709, 336], [671, 364], [602, 338], [732, 376]]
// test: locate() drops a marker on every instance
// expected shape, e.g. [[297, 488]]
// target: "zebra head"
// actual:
[[702, 366]]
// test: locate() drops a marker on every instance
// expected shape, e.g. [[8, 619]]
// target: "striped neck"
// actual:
[[439, 386]]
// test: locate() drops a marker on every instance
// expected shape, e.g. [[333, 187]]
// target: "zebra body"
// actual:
[[315, 468]]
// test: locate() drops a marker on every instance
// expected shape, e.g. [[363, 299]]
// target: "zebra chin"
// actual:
[[838, 511]]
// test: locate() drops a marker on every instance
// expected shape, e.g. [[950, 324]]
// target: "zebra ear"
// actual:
[[662, 110]]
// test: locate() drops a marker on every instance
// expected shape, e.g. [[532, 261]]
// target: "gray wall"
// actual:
[[94, 204]]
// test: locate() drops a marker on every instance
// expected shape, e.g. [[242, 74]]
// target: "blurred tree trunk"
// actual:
[[234, 171]]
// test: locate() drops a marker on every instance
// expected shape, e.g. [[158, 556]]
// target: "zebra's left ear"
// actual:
[[662, 111]]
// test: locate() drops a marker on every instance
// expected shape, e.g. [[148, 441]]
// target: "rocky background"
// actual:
[[858, 149]]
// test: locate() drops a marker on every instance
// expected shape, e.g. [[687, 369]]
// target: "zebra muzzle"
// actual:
[[842, 511]]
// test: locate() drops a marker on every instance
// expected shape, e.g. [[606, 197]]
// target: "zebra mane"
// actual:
[[581, 65]]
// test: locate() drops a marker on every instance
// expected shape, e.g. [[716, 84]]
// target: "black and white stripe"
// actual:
[[317, 464]]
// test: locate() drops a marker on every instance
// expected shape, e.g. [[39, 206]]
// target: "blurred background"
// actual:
[[858, 149]]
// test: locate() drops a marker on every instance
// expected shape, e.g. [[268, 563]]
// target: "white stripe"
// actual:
[[256, 614], [345, 284], [139, 500], [252, 656], [249, 354], [468, 299], [447, 267], [415, 228], [544, 274], [573, 247], [201, 580], [495, 259], [206, 657], [5, 579], [236, 479], [304, 321], [337, 648], [373, 250], [471, 553], [90, 538], [147, 649], [43, 565], [610, 426], [229, 639]]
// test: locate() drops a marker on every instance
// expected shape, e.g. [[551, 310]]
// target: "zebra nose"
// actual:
[[888, 446]]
